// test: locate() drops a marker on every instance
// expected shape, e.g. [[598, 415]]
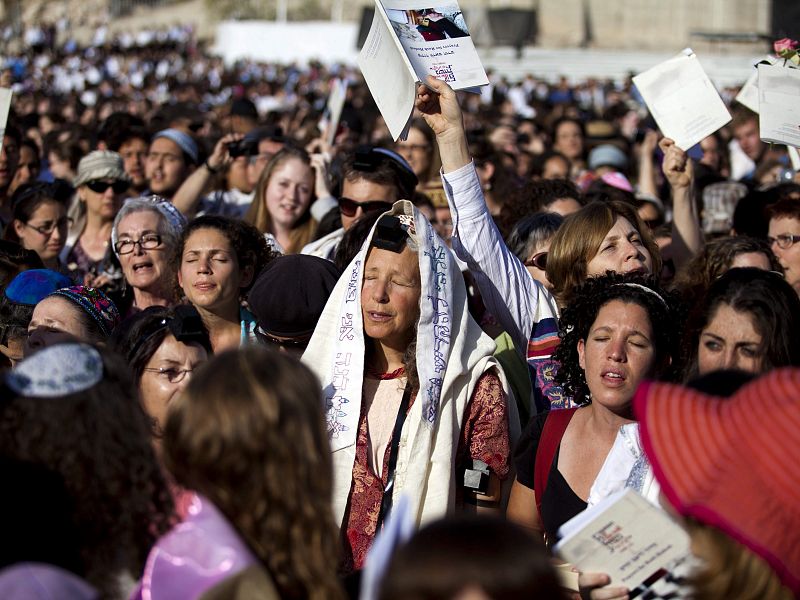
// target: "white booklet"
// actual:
[[408, 41], [748, 95], [682, 99], [778, 110], [329, 123], [5, 108], [625, 536]]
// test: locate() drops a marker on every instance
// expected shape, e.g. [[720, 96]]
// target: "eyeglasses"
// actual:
[[537, 260], [350, 207], [48, 227], [146, 242], [100, 187], [171, 374], [784, 240], [265, 337]]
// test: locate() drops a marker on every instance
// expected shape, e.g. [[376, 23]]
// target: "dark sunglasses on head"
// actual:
[[537, 260], [349, 207], [100, 187]]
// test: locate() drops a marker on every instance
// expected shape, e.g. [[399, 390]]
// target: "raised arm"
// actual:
[[687, 236], [508, 290], [191, 191]]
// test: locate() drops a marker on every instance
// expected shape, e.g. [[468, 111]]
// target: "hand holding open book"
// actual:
[[625, 537], [407, 42]]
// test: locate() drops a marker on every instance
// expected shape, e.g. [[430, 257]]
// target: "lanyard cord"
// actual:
[[386, 502]]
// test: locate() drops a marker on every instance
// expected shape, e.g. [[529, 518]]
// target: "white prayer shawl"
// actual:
[[452, 354], [626, 466]]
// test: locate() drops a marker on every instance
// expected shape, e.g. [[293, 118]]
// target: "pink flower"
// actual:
[[785, 46]]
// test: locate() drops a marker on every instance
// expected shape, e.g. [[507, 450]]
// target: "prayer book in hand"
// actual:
[[682, 99], [626, 537], [408, 41]]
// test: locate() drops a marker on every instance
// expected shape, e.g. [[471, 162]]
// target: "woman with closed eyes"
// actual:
[[217, 260]]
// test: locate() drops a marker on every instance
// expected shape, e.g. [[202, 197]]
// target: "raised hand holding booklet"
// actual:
[[625, 536], [407, 42], [682, 99]]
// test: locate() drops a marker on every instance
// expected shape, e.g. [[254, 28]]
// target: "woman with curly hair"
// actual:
[[261, 516], [75, 414], [618, 331], [217, 260]]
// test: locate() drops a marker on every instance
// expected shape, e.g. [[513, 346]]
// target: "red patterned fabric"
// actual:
[[484, 436]]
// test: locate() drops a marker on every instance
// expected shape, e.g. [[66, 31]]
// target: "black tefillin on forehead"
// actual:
[[390, 234]]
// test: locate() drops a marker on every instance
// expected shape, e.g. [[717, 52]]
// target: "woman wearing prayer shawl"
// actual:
[[416, 404]]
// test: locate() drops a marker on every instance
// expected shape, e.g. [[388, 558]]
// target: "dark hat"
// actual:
[[288, 296]]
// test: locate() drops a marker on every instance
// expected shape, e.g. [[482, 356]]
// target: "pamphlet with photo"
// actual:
[[419, 39]]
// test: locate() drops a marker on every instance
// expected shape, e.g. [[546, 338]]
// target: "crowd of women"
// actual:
[[243, 362]]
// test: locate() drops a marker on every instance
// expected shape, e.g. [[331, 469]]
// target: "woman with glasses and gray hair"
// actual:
[[144, 236]]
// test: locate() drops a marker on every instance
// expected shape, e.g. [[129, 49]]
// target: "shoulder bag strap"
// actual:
[[554, 427]]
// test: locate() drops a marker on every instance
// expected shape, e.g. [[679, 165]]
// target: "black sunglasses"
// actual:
[[100, 187], [300, 343], [537, 260], [349, 207]]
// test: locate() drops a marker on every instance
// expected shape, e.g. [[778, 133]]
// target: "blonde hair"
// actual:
[[730, 570], [255, 443], [258, 214], [578, 239]]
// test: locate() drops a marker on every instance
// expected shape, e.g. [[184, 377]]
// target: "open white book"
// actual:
[[625, 536], [778, 110], [5, 107], [407, 42], [682, 99]]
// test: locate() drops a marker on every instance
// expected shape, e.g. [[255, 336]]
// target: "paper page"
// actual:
[[5, 107], [794, 156], [682, 100], [329, 123], [437, 41], [630, 540], [748, 95], [388, 76], [779, 113]]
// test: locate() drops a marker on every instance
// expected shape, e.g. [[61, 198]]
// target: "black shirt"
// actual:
[[560, 503]]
